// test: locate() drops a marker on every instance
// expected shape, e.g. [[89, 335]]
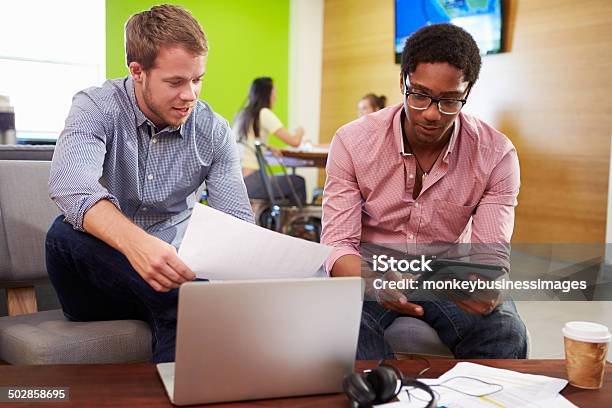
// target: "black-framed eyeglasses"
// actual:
[[421, 101]]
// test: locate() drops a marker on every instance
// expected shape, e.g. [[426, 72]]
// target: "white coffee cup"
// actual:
[[586, 346]]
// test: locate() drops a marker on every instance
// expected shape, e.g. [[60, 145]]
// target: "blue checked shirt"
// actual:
[[110, 150]]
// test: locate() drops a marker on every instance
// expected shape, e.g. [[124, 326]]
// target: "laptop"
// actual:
[[247, 340]]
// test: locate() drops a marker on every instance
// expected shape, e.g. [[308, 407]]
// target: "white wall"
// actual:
[[305, 63], [42, 69]]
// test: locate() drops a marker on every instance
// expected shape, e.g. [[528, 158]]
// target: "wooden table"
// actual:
[[138, 385], [307, 159]]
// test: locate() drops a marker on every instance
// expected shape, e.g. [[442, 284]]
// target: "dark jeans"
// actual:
[[93, 281], [501, 334], [256, 189]]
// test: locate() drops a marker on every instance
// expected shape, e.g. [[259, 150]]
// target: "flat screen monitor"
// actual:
[[481, 18]]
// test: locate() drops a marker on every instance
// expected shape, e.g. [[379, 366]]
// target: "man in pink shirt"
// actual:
[[422, 173]]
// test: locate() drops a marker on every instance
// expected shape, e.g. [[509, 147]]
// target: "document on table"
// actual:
[[519, 390], [309, 149], [218, 246]]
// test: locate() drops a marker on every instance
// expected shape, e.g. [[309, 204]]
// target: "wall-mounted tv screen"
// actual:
[[481, 18]]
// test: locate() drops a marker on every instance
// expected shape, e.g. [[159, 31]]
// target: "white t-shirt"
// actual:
[[268, 124]]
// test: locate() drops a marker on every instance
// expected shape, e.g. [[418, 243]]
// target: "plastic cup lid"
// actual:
[[587, 331]]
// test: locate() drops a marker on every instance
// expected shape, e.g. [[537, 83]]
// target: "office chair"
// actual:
[[288, 215]]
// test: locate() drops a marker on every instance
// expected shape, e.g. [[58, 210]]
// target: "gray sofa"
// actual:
[[26, 152], [31, 337]]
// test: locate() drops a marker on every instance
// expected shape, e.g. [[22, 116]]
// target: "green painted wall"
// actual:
[[247, 39]]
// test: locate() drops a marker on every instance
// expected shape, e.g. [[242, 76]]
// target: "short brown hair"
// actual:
[[147, 31]]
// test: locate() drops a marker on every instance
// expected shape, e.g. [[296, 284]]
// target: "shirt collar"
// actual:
[[405, 151], [141, 119]]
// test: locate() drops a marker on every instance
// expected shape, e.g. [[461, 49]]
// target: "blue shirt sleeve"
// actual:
[[226, 189], [76, 169]]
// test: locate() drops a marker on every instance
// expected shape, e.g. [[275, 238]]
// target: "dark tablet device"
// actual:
[[448, 268]]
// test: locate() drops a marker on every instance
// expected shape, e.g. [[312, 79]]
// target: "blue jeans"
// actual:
[[94, 281], [501, 334]]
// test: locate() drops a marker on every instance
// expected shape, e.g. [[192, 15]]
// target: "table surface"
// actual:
[[317, 158], [134, 385]]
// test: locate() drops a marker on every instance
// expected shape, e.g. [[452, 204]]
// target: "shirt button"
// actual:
[[411, 176], [150, 177], [144, 208], [411, 236], [416, 205], [154, 140]]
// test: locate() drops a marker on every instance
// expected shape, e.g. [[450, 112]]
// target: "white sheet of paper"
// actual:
[[309, 149], [218, 246], [520, 390], [447, 400]]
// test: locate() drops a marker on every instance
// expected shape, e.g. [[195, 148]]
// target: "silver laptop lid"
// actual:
[[242, 340]]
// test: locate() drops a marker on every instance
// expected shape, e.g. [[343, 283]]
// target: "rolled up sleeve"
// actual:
[[226, 189], [76, 169], [493, 220], [342, 203]]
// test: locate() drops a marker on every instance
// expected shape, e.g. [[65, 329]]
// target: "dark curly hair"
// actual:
[[442, 43]]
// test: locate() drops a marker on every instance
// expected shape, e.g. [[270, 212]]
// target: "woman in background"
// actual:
[[371, 103], [256, 121]]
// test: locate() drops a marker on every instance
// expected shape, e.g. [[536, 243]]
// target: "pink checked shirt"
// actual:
[[468, 197]]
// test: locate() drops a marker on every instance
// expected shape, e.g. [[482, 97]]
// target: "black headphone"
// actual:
[[379, 386]]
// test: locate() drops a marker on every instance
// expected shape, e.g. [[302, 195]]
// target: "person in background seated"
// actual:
[[421, 173], [255, 122], [125, 173], [370, 103]]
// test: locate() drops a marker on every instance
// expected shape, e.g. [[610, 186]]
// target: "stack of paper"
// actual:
[[519, 390], [309, 149], [218, 246]]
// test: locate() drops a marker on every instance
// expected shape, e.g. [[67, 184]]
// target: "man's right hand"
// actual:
[[155, 260], [394, 299], [158, 263]]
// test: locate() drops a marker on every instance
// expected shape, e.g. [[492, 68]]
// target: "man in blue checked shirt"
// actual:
[[125, 174]]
